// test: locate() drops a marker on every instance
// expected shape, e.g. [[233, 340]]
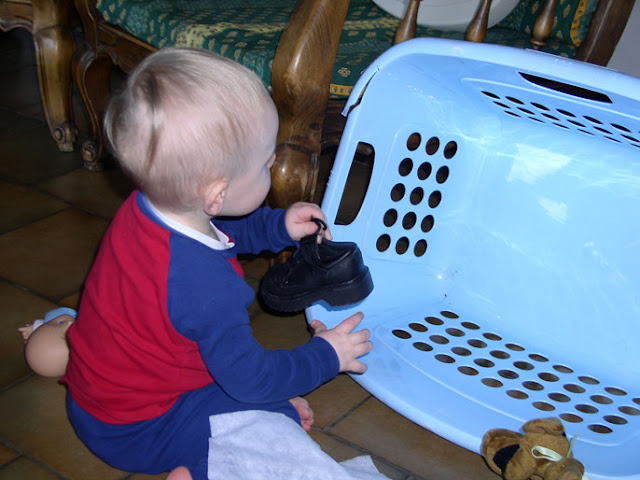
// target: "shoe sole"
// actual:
[[335, 295]]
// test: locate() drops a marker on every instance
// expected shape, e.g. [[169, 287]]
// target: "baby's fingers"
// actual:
[[357, 367], [347, 325], [317, 326]]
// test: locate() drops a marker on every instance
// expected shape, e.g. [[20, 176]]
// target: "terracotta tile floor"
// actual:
[[53, 214]]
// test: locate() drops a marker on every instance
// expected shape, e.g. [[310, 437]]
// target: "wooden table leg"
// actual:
[[55, 46]]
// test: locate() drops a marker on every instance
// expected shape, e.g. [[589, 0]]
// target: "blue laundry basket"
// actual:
[[501, 225]]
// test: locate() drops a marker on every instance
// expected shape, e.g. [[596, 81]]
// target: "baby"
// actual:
[[162, 340]]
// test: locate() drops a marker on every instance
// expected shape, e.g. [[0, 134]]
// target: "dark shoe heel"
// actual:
[[351, 292]]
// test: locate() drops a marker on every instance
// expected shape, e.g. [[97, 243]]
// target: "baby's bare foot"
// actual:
[[305, 412], [180, 473]]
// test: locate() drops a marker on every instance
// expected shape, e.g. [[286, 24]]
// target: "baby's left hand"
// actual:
[[299, 223]]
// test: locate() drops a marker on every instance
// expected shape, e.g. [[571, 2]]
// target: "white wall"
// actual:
[[626, 57]]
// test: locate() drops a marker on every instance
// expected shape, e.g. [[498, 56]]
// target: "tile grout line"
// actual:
[[408, 475], [22, 453], [345, 415]]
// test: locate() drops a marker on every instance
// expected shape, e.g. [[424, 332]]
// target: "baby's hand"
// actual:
[[299, 223], [26, 331], [349, 345]]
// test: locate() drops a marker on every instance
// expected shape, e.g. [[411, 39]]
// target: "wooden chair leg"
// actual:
[[91, 75], [477, 29], [55, 47], [302, 71], [407, 28], [544, 25]]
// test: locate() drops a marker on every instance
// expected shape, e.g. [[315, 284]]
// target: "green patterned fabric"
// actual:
[[571, 23], [248, 31]]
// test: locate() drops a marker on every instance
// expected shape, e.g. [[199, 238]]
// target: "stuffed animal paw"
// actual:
[[542, 452]]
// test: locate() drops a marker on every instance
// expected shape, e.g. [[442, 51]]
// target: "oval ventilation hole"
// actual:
[[434, 320], [523, 365], [544, 406], [601, 399], [455, 332], [434, 199], [424, 171], [508, 374], [433, 144], [584, 408], [492, 336], [425, 347], [633, 411], [514, 347], [538, 358], [401, 334], [490, 94], [397, 192], [474, 342], [515, 100], [470, 326], [570, 417], [491, 382], [450, 150], [402, 245], [448, 314], [420, 248], [559, 397], [622, 128], [442, 174], [468, 370], [409, 221], [562, 369], [444, 358], [540, 106], [599, 428], [517, 394], [615, 391], [548, 377], [484, 362], [499, 354], [535, 386], [427, 223], [390, 217], [588, 380], [615, 420], [413, 142], [418, 327], [439, 339], [383, 243], [573, 388], [405, 167], [416, 196], [463, 352]]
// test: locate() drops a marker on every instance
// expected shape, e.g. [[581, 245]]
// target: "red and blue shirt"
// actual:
[[163, 313]]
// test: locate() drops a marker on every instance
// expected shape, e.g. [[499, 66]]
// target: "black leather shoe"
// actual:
[[329, 271]]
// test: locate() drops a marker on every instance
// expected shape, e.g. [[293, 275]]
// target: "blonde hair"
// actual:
[[182, 121]]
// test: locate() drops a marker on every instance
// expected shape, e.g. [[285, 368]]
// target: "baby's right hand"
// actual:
[[349, 345]]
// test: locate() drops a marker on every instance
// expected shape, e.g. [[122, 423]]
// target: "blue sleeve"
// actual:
[[263, 229], [208, 304]]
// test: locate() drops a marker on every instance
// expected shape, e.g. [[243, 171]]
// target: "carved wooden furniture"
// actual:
[[302, 74], [50, 23]]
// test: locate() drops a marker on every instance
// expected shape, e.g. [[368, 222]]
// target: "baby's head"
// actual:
[[188, 117]]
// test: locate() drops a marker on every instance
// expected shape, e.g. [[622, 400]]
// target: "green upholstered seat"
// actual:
[[248, 31]]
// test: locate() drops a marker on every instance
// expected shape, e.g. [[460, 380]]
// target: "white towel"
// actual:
[[258, 445]]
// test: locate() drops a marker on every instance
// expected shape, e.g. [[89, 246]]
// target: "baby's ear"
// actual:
[[213, 196]]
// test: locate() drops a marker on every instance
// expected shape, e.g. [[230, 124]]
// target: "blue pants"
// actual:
[[179, 437]]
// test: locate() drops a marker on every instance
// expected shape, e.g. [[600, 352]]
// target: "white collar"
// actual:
[[221, 242]]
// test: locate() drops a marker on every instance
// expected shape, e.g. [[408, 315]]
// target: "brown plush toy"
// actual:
[[543, 452]]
